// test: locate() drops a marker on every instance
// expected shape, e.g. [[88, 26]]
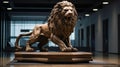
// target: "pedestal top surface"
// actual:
[[54, 53]]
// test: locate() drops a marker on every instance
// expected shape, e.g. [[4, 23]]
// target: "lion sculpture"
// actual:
[[61, 23]]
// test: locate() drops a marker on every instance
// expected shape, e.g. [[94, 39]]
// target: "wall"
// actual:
[[109, 12]]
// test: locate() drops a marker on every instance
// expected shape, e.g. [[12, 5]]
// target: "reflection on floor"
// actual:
[[99, 60]]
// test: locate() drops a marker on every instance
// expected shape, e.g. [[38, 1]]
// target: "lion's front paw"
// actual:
[[29, 49], [74, 49], [66, 50]]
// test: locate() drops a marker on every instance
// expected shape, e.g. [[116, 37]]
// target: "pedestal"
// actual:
[[54, 56]]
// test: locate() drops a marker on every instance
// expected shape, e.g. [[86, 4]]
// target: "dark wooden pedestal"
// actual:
[[54, 56]]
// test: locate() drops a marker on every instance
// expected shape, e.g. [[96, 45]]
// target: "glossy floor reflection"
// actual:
[[99, 60]]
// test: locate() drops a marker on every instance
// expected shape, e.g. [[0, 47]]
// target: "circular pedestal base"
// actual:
[[54, 56]]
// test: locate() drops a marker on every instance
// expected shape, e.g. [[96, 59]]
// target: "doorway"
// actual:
[[119, 33], [93, 37], [105, 36], [78, 38], [82, 37], [88, 37]]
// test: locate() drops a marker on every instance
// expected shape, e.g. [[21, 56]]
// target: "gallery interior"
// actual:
[[97, 30]]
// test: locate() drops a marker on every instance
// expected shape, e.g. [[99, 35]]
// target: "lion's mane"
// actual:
[[58, 23]]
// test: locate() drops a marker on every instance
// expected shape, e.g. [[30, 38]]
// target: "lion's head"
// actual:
[[63, 13], [66, 9]]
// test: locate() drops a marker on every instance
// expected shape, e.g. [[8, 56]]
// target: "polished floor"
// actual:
[[99, 60]]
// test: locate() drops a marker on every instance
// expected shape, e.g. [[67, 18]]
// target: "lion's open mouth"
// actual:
[[68, 18]]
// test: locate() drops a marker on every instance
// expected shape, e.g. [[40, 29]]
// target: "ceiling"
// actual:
[[34, 6]]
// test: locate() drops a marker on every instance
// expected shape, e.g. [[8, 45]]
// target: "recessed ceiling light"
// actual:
[[9, 8], [87, 15], [105, 2], [95, 9], [5, 1]]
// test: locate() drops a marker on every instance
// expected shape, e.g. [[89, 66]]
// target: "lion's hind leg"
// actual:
[[43, 41], [29, 44], [33, 38], [17, 46]]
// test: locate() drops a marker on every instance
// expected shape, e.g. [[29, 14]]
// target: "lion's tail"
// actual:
[[18, 38]]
